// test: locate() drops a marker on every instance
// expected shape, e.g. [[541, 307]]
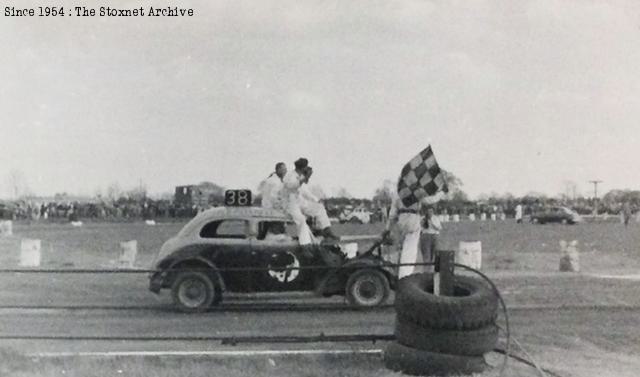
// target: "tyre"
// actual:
[[400, 358], [194, 292], [474, 304], [475, 342], [367, 287]]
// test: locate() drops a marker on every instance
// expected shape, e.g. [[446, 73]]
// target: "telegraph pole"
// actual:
[[595, 195]]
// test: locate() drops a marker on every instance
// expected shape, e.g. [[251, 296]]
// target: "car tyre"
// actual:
[[475, 342], [367, 288], [474, 304], [401, 358], [194, 292]]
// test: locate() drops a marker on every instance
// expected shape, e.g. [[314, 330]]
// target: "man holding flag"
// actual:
[[421, 182]]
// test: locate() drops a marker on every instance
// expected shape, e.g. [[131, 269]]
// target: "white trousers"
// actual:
[[409, 226], [299, 211]]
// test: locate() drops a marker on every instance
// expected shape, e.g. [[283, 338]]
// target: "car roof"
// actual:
[[233, 213]]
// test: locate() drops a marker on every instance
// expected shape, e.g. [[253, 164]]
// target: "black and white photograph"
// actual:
[[319, 188]]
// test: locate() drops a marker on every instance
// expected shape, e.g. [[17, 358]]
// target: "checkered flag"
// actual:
[[420, 177]]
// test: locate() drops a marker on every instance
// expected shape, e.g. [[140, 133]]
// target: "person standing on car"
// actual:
[[298, 203], [408, 220], [431, 228], [271, 188]]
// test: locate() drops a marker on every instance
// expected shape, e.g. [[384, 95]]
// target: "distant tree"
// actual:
[[17, 184], [138, 193], [570, 190], [113, 192], [453, 182], [384, 194], [341, 192], [318, 191]]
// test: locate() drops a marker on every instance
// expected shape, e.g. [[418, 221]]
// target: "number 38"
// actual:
[[237, 198]]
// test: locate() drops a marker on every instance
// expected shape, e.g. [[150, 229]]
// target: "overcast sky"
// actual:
[[514, 96]]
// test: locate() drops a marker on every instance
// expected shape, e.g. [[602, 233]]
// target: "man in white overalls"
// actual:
[[298, 205]]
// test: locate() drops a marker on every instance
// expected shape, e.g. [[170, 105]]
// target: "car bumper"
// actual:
[[155, 281]]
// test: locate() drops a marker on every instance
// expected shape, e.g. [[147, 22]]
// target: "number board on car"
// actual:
[[237, 198]]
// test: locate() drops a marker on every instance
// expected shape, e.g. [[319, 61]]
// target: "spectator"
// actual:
[[626, 213], [431, 228], [519, 213]]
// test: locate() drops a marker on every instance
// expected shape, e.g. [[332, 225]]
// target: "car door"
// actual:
[[232, 249], [280, 255]]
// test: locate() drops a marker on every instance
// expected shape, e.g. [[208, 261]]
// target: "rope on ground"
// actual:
[[504, 310]]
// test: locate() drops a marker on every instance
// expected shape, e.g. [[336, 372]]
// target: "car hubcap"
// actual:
[[368, 290], [192, 293]]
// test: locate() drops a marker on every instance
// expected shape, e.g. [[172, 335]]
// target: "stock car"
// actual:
[[226, 249]]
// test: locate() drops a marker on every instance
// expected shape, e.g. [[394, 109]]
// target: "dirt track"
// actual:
[[594, 334]]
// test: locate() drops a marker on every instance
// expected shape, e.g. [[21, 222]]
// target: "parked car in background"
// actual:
[[357, 216], [556, 214]]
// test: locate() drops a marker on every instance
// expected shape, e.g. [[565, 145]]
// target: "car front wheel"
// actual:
[[194, 292], [367, 288]]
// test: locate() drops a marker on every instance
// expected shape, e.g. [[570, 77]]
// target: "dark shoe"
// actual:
[[329, 235]]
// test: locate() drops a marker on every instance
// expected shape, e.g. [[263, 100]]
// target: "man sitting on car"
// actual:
[[297, 203], [271, 188]]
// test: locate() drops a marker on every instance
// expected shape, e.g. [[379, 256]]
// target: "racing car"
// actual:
[[233, 249]]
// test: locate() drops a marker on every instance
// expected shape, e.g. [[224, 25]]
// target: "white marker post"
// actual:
[[128, 252], [470, 254], [30, 253], [6, 228]]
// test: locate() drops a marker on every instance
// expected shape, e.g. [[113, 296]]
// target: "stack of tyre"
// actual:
[[442, 335]]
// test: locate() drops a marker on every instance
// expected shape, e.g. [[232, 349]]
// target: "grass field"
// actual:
[[506, 246]]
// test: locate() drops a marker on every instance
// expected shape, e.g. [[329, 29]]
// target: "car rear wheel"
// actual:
[[355, 220], [194, 292], [367, 288]]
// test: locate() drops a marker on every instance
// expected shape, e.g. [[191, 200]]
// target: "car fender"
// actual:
[[215, 272], [374, 263]]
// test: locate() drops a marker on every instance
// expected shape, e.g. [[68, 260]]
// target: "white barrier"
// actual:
[[494, 217], [30, 253], [6, 228], [472, 217], [483, 216], [503, 216], [150, 222], [128, 252], [469, 254], [456, 218], [569, 256]]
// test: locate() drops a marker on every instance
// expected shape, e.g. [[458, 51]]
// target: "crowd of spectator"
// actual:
[[96, 209], [146, 208]]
